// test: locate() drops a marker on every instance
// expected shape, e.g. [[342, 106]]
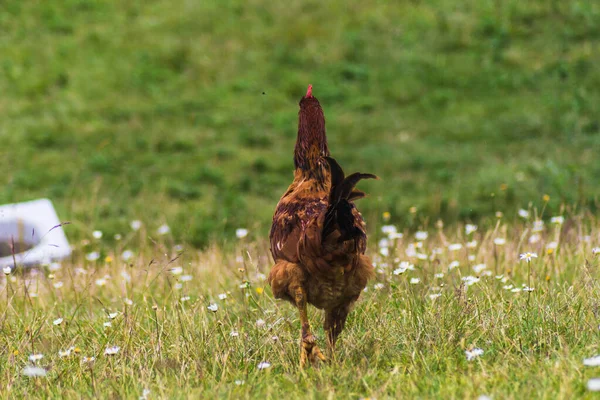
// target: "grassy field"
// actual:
[[185, 112], [202, 324], [181, 116]]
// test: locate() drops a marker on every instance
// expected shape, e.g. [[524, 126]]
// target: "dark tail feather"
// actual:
[[342, 192], [337, 173], [342, 187], [350, 182], [356, 195], [337, 178]]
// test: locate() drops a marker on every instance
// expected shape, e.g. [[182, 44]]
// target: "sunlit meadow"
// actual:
[[508, 310]]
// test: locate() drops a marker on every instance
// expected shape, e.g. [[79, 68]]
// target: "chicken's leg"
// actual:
[[334, 324], [309, 351]]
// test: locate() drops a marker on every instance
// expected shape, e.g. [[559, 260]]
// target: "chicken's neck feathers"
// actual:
[[311, 143]]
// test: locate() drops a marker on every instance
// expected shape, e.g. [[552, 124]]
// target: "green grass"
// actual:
[[185, 112], [399, 342]]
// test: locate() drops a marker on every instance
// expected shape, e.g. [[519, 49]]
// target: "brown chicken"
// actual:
[[318, 237]]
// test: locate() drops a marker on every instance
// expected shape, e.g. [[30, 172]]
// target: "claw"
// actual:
[[310, 352]]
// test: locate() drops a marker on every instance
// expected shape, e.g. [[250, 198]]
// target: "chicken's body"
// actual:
[[318, 237]]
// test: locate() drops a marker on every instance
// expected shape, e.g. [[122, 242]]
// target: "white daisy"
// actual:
[[399, 271], [213, 307], [455, 246], [389, 229], [176, 270], [592, 362], [241, 233], [97, 234], [264, 365], [472, 354], [469, 228], [145, 394], [65, 353], [421, 235], [499, 241], [136, 225], [534, 238], [126, 256], [593, 385], [163, 229], [178, 248], [527, 256], [470, 280], [111, 350]]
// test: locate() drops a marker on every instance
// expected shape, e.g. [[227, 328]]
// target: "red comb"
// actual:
[[309, 91]]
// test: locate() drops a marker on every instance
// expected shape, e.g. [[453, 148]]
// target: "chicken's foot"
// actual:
[[309, 350]]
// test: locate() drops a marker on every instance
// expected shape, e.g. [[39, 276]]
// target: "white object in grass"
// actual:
[[35, 225]]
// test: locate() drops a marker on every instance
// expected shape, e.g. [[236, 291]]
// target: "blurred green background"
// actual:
[[185, 112]]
